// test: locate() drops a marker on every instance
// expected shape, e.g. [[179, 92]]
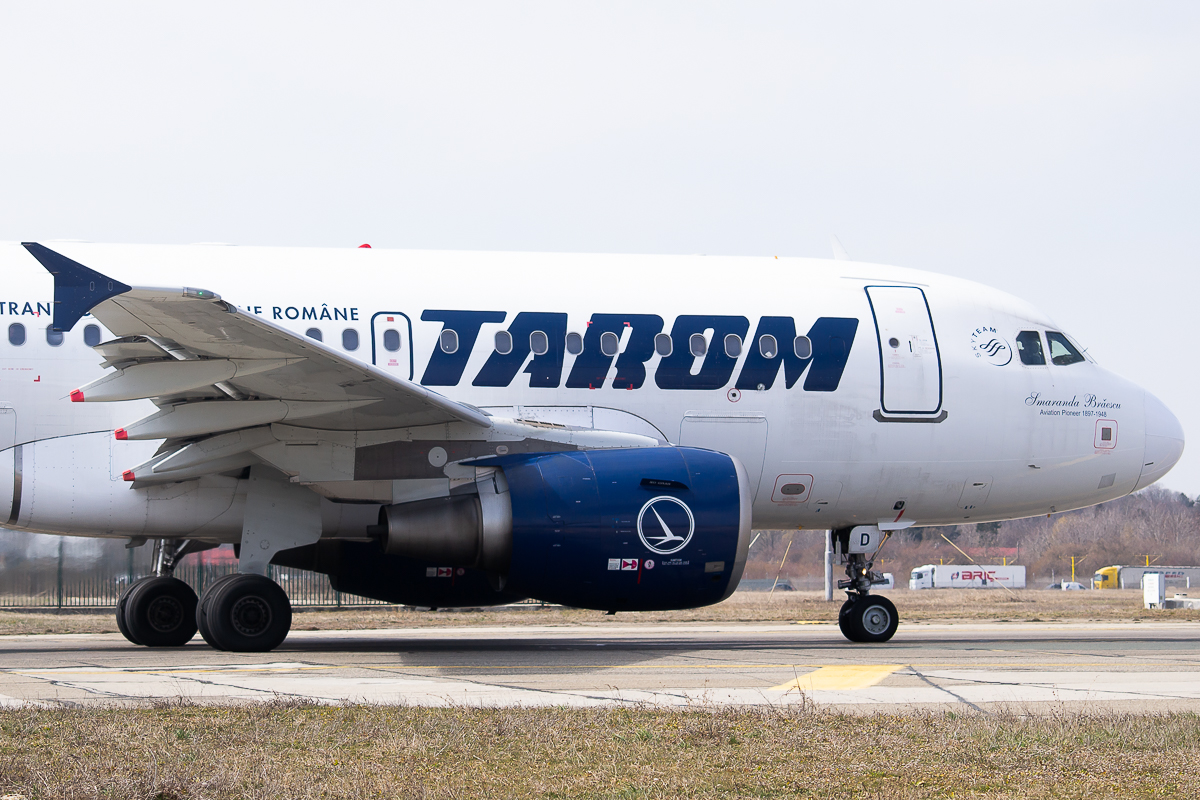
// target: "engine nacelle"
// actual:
[[635, 529], [631, 529]]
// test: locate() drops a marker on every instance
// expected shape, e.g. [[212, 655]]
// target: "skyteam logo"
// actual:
[[990, 346], [665, 525]]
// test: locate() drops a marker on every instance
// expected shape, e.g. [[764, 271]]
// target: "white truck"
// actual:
[[967, 576]]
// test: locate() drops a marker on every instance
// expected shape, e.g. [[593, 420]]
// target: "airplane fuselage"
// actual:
[[853, 393]]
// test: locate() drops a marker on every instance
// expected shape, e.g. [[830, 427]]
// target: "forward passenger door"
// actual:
[[909, 362]]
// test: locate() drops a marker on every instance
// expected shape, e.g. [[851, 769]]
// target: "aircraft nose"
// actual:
[[1164, 441]]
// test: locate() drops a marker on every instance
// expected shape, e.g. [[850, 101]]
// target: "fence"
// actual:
[[69, 579]]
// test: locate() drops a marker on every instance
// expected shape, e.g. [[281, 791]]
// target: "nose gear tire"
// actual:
[[159, 612], [868, 618], [246, 614]]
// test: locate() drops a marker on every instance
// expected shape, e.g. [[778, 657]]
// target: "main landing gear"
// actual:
[[864, 617], [242, 613]]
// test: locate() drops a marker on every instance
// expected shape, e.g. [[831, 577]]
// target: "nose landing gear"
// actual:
[[863, 617]]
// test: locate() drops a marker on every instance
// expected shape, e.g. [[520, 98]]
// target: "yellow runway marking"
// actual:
[[848, 676]]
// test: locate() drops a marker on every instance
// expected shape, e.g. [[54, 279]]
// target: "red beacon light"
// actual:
[[76, 396], [367, 246], [121, 434]]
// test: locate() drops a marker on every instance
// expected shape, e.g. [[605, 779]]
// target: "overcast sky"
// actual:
[[1048, 149]]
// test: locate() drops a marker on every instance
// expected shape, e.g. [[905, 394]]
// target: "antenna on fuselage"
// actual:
[[839, 252]]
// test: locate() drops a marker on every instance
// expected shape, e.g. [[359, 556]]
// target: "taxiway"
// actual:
[[1029, 667]]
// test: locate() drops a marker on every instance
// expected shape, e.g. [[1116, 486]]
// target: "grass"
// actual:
[[306, 751], [943, 605]]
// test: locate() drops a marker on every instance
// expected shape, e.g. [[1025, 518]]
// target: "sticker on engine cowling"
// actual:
[[662, 522]]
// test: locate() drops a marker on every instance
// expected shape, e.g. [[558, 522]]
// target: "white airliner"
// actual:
[[603, 431]]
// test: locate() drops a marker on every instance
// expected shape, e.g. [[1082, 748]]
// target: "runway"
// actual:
[[1027, 667]]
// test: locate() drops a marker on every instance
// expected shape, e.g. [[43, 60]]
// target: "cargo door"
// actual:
[[391, 343], [910, 365], [739, 434]]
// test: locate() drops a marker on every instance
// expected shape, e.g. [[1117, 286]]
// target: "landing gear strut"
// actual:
[[863, 617]]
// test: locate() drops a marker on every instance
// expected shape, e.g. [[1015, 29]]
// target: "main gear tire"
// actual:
[[160, 612], [122, 604], [202, 606], [247, 614]]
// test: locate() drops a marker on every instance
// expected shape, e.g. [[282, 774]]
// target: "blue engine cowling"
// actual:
[[627, 530]]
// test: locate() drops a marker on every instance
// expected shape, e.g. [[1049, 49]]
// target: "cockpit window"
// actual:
[[1029, 345], [1062, 352]]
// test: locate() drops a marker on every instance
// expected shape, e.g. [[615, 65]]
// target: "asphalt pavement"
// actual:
[[1022, 667]]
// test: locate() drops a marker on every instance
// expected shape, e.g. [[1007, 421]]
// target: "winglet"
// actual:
[[77, 289]]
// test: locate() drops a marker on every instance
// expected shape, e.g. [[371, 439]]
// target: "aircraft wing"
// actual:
[[163, 334], [232, 388]]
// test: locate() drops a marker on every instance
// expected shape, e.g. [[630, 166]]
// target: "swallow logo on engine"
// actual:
[[665, 525]]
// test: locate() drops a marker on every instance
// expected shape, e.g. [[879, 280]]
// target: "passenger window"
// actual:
[[54, 338], [350, 339], [539, 343], [663, 345], [697, 345], [768, 346], [391, 340], [802, 347], [1029, 346], [574, 344], [1062, 352], [733, 345], [503, 342], [16, 334], [314, 333], [609, 343], [91, 335], [448, 341]]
